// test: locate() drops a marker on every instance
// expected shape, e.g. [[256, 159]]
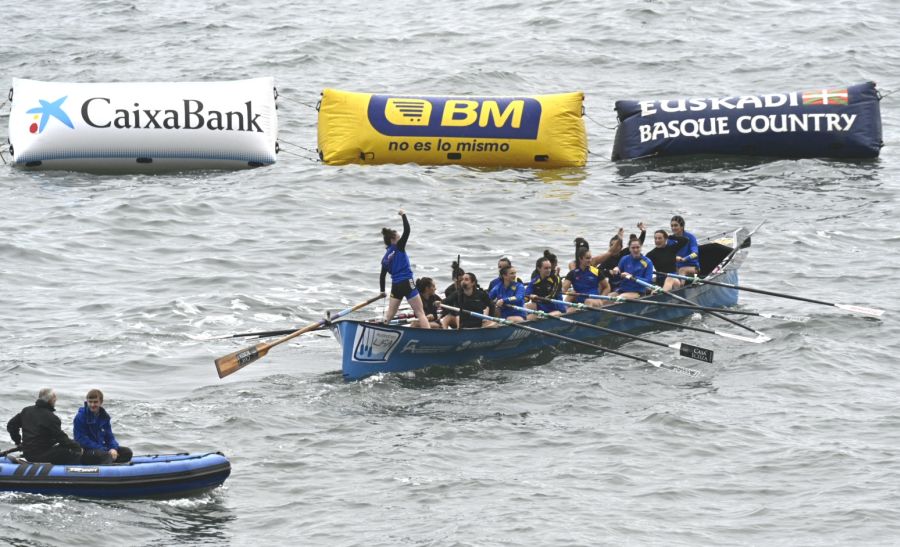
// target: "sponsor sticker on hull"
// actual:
[[374, 345]]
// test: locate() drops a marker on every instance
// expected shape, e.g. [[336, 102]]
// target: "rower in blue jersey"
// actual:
[[584, 279], [508, 291], [687, 257], [633, 266], [396, 261], [502, 263], [545, 283]]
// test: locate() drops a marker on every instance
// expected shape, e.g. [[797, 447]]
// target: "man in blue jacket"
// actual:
[[93, 431]]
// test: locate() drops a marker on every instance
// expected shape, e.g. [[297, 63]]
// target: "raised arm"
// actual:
[[614, 249], [401, 245]]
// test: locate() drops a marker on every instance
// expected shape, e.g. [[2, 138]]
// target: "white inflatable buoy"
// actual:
[[143, 126]]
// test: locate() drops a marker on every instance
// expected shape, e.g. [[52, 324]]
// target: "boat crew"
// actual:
[[663, 256], [470, 297], [430, 300], [585, 279], [687, 257], [504, 262], [615, 247], [456, 275], [509, 291], [613, 260], [544, 283], [396, 261], [579, 243], [631, 267], [42, 438]]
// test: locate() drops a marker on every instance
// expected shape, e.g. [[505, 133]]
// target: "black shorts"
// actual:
[[404, 289]]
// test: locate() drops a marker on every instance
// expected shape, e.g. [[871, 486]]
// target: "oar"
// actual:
[[657, 288], [737, 247], [10, 451], [686, 350], [796, 318], [757, 340], [234, 362], [849, 307], [658, 364], [270, 333]]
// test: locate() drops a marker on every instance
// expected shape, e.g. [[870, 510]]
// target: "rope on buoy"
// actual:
[[286, 98], [600, 124]]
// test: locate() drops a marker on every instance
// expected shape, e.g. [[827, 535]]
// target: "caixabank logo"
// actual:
[[469, 117], [105, 112], [44, 113]]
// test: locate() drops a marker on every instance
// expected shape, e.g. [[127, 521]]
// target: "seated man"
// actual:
[[42, 439], [93, 431]]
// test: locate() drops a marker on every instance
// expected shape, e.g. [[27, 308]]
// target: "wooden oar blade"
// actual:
[[695, 352], [861, 309], [234, 362]]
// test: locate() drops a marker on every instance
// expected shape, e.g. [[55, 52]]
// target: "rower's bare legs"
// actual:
[[449, 322], [671, 284], [418, 308], [393, 306]]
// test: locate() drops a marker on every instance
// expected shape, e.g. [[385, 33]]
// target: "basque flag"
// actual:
[[826, 96]]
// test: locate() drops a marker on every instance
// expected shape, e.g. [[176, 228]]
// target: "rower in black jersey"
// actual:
[[663, 254], [470, 297], [546, 283]]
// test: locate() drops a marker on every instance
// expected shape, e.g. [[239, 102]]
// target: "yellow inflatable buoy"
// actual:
[[542, 131]]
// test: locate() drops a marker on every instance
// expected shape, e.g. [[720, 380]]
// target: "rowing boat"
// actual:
[[372, 348]]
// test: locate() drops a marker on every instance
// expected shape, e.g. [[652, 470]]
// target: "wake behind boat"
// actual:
[[371, 348]]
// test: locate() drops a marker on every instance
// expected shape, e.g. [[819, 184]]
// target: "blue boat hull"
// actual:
[[371, 348], [163, 476]]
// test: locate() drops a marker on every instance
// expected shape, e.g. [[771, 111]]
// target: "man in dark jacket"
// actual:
[[42, 439], [93, 431]]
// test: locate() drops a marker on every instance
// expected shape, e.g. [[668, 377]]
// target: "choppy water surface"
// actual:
[[112, 281]]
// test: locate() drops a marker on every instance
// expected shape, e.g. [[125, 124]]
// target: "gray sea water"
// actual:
[[113, 282]]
